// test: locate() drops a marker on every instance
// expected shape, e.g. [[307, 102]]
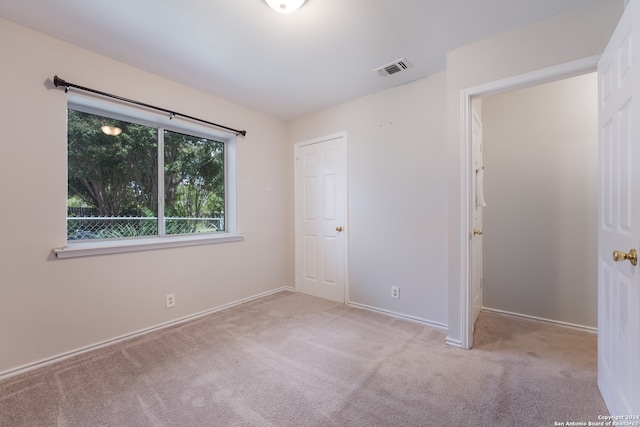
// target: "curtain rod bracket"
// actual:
[[57, 81]]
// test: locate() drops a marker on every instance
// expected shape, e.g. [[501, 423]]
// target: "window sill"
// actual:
[[102, 247]]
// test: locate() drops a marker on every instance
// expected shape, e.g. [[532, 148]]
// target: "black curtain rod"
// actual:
[[57, 81]]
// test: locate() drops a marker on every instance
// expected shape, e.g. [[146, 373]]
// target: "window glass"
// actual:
[[194, 187], [113, 180]]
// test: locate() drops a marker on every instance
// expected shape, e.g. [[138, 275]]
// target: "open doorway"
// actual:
[[562, 71], [539, 246]]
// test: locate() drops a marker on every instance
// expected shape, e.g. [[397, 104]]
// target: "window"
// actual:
[[134, 176]]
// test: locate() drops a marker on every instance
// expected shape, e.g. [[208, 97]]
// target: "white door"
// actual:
[[477, 202], [320, 216], [619, 217]]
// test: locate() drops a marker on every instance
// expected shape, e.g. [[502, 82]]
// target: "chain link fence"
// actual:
[[97, 227]]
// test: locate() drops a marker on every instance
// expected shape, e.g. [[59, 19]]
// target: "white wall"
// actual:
[[579, 33], [540, 224], [396, 151], [50, 306]]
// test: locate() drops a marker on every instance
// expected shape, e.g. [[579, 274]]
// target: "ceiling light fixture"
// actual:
[[111, 130], [285, 6]]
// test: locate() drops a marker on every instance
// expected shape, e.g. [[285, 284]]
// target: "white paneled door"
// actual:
[[477, 203], [619, 217], [320, 217]]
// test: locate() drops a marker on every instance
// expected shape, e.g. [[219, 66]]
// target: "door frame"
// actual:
[[339, 135], [545, 75]]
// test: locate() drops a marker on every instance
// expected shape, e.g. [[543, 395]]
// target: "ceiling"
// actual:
[[285, 65]]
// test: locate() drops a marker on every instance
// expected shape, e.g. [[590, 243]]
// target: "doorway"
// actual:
[[540, 240], [562, 71], [321, 217]]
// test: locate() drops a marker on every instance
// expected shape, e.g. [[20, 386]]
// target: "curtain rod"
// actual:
[[57, 81]]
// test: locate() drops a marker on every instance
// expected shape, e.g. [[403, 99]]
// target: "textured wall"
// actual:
[[51, 306], [396, 152]]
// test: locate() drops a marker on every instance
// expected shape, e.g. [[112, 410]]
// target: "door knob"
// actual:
[[339, 228], [477, 232], [632, 256]]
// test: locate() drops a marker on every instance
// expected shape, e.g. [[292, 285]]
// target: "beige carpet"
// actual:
[[295, 360]]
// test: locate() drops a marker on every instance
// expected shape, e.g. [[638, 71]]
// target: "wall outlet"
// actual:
[[395, 292], [170, 299]]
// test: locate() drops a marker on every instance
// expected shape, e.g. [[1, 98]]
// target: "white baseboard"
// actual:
[[399, 315], [542, 319], [453, 343], [50, 360]]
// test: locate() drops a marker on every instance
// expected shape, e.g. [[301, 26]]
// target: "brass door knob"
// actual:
[[477, 232], [632, 256], [339, 228]]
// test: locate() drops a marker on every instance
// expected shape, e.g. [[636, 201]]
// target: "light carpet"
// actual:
[[295, 360]]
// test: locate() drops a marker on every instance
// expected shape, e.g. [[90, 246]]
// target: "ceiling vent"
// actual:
[[393, 68]]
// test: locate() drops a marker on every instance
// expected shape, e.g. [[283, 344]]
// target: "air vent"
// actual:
[[393, 68]]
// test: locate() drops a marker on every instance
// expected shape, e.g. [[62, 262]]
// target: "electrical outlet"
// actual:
[[395, 292], [170, 299]]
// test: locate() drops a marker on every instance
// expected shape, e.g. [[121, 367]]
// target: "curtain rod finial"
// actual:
[[57, 81]]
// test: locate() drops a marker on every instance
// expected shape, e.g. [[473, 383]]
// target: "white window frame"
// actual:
[[120, 111]]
